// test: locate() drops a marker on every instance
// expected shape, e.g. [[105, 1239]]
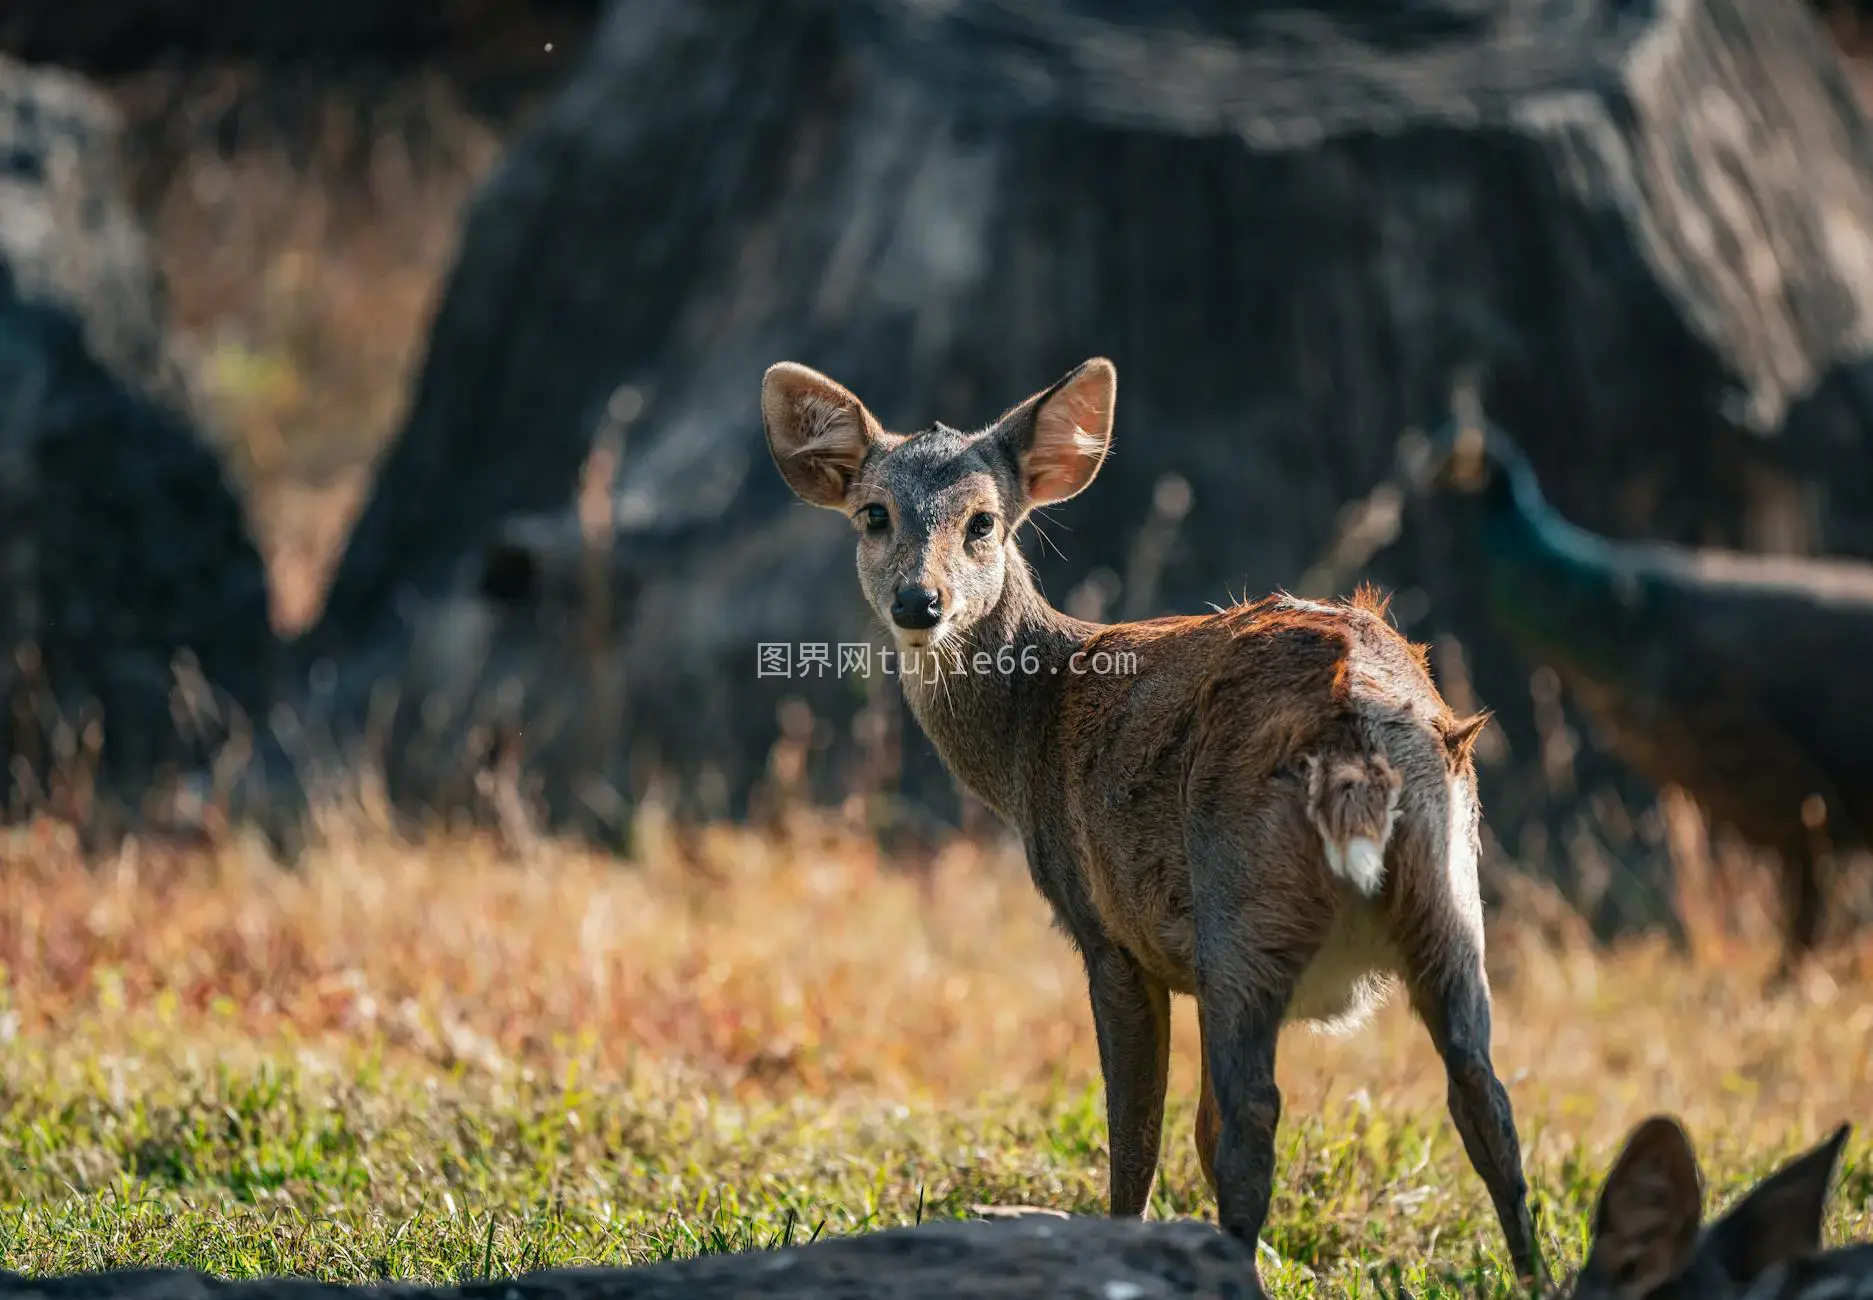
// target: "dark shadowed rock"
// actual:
[[1037, 1258], [1650, 226], [111, 36], [133, 603]]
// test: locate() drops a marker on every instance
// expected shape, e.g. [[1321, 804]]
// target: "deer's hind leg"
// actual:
[[1262, 909], [1438, 926], [1209, 1123]]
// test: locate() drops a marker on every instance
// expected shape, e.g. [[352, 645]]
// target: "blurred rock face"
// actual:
[[134, 636], [109, 36], [67, 234], [1290, 228]]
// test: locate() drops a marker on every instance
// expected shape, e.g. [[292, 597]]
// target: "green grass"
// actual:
[[432, 1061], [353, 1171], [246, 1163]]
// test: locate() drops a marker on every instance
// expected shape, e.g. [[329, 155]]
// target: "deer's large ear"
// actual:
[[817, 432], [1780, 1219], [1058, 437], [1645, 1226]]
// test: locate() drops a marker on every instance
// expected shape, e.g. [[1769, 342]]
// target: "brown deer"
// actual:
[[1270, 808], [1647, 1243]]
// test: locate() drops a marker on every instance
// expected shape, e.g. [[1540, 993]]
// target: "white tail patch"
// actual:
[[1352, 802], [1360, 863]]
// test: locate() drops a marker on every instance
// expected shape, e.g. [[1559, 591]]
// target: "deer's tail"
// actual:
[[1352, 801]]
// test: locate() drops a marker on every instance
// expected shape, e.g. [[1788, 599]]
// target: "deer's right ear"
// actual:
[[1780, 1219], [1645, 1226], [1059, 437], [817, 432]]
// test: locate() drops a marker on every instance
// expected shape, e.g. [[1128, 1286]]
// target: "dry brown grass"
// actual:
[[806, 964], [751, 1031]]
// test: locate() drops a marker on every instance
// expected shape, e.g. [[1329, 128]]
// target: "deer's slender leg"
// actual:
[[1209, 1122], [1450, 993], [1132, 1015], [1250, 956], [1240, 1033]]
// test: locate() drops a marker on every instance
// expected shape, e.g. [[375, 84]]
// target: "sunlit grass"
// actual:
[[434, 1060]]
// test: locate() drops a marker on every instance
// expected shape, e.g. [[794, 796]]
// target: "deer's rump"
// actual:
[[1255, 712]]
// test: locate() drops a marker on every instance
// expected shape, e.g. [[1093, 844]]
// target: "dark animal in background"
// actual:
[[1746, 680]]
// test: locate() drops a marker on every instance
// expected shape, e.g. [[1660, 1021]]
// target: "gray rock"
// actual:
[[344, 40], [66, 229], [1037, 1258], [134, 625]]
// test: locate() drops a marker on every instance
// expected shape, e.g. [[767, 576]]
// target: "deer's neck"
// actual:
[[985, 697]]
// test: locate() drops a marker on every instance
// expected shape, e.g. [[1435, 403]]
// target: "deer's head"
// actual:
[[936, 511]]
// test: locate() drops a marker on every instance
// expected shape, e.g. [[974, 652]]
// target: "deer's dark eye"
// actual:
[[981, 526], [876, 518]]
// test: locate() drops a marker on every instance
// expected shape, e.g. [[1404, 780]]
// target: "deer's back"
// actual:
[[1236, 698]]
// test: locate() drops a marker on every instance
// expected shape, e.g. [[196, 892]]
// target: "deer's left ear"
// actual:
[[1059, 437], [817, 432]]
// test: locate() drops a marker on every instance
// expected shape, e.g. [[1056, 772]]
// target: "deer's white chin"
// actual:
[[913, 642]]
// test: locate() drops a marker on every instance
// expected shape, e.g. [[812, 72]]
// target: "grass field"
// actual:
[[433, 1061]]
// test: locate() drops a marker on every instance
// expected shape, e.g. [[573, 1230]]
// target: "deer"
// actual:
[[1269, 808], [1649, 1243]]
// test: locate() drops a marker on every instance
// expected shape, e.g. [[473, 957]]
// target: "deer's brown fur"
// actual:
[[1270, 808]]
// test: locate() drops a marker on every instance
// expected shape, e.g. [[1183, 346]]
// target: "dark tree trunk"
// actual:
[[1649, 226]]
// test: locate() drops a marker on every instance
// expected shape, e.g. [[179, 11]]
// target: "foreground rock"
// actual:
[[1037, 1258], [135, 642], [1649, 226]]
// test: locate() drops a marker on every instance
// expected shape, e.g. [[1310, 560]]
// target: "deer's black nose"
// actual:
[[917, 609]]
